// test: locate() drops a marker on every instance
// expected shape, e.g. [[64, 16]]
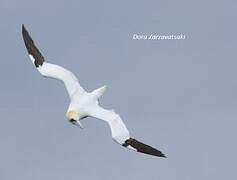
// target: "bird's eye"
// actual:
[[72, 120]]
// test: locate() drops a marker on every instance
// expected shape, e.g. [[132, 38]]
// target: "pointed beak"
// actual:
[[78, 123]]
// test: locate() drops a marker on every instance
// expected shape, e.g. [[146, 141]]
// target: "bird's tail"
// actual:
[[99, 92]]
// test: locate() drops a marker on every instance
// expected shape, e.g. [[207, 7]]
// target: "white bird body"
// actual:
[[83, 103]]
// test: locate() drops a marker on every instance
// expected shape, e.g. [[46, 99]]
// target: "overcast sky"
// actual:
[[177, 95]]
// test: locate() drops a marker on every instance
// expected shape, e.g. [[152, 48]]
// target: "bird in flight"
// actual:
[[85, 104]]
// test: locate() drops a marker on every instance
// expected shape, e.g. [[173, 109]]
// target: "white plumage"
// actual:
[[83, 103], [59, 73]]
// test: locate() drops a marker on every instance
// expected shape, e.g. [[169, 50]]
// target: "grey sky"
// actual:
[[178, 96]]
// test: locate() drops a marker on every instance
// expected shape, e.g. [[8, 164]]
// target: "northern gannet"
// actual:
[[82, 103]]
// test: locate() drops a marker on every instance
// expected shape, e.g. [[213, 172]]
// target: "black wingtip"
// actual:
[[27, 39], [143, 148], [163, 155], [23, 29], [31, 48]]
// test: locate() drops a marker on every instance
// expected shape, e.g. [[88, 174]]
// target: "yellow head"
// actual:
[[74, 118], [72, 115]]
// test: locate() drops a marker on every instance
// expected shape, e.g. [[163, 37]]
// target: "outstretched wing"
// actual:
[[143, 148], [120, 133], [50, 70]]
